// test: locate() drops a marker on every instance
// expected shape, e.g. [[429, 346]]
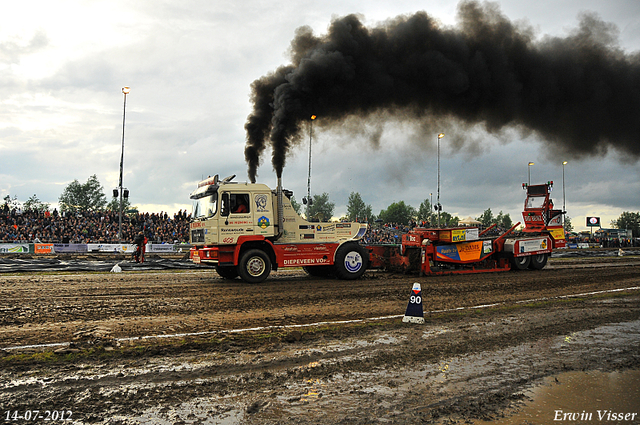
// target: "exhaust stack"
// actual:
[[280, 208]]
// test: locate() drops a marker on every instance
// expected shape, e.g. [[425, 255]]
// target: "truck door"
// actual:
[[263, 214], [237, 217]]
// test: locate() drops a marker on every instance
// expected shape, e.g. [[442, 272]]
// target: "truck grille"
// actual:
[[197, 236]]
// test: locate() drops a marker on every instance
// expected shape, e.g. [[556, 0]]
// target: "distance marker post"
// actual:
[[414, 308]]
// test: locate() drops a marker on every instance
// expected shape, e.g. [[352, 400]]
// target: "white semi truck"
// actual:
[[247, 230]]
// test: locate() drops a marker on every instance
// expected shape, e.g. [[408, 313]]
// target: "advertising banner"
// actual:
[[461, 235], [466, 251], [532, 245], [69, 247], [160, 247], [13, 248], [111, 247], [593, 221], [557, 234], [43, 248]]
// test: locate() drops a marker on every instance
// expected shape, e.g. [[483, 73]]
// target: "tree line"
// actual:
[[398, 212], [75, 197]]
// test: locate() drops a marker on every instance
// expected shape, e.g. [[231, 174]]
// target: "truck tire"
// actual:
[[538, 261], [318, 271], [227, 272], [520, 263], [254, 266], [351, 261]]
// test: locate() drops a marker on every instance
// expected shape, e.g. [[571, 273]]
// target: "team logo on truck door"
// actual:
[[261, 202], [263, 222]]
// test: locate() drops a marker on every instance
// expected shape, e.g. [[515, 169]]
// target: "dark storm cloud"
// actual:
[[580, 93]]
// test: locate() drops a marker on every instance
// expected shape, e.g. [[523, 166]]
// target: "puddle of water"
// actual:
[[582, 398], [201, 411]]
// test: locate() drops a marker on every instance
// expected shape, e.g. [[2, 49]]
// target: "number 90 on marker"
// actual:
[[415, 299]]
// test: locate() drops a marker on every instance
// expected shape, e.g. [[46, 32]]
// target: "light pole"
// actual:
[[126, 91], [439, 207], [529, 171], [564, 208], [313, 117], [430, 206]]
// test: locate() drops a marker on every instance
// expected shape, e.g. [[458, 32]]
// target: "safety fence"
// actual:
[[117, 248]]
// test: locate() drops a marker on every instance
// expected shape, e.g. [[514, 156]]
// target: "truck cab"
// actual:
[[222, 212]]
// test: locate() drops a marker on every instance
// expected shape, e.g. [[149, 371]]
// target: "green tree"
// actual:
[[357, 210], [486, 218], [114, 204], [503, 220], [447, 220], [568, 227], [628, 221], [425, 212], [34, 204], [321, 209], [398, 212], [11, 203], [83, 197]]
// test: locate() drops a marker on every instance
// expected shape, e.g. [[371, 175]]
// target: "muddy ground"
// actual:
[[188, 347]]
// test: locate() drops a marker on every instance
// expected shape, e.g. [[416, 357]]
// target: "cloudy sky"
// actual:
[[190, 65]]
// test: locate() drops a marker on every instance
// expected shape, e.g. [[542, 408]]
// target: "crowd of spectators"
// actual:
[[388, 233], [605, 242], [18, 226]]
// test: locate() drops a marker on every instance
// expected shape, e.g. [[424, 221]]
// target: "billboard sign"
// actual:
[[593, 221]]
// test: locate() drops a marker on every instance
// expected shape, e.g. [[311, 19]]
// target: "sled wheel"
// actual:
[[351, 261], [254, 266], [520, 263], [538, 261]]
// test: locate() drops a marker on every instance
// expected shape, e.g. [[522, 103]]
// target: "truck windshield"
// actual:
[[535, 201], [205, 207]]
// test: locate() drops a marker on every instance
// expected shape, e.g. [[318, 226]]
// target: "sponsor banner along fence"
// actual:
[[11, 248], [50, 248], [43, 248]]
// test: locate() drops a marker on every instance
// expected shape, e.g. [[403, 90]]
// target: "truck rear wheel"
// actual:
[[351, 261], [227, 272], [520, 263], [538, 261], [254, 266]]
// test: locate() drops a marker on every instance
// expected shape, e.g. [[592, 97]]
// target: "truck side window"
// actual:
[[239, 203], [224, 208]]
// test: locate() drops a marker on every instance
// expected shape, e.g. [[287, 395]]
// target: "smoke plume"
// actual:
[[580, 93]]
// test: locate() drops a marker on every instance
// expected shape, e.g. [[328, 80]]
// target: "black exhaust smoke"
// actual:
[[580, 93]]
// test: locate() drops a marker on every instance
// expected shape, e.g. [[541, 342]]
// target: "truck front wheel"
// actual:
[[520, 263], [351, 261], [254, 266]]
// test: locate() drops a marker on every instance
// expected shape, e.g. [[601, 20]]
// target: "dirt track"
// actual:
[[463, 364]]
